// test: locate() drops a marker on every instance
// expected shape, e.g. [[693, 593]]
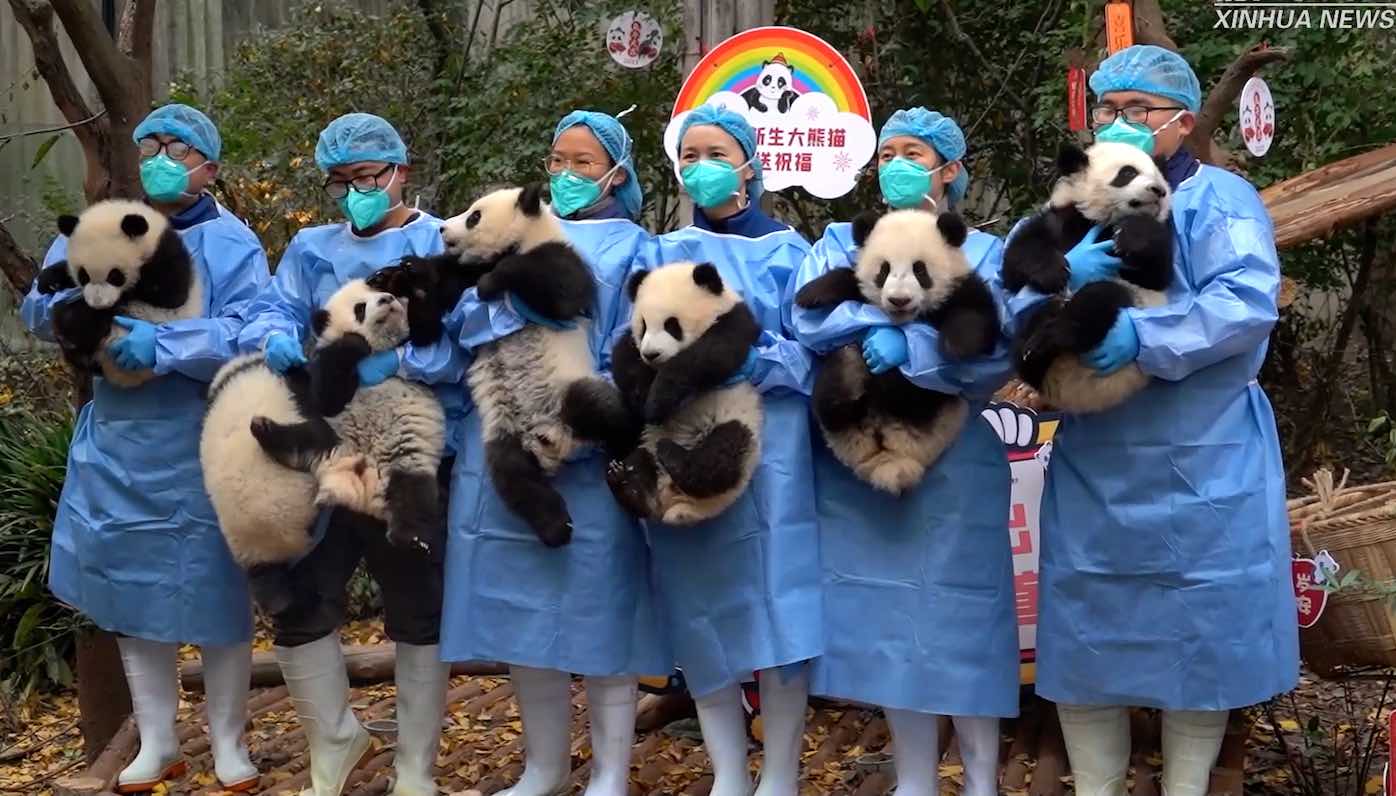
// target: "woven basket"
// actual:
[[1357, 526]]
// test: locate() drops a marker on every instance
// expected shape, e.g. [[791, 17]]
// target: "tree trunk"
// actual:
[[103, 699]]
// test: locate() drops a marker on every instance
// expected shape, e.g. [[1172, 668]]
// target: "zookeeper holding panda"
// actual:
[[586, 607], [136, 545], [366, 166], [1165, 569], [935, 561]]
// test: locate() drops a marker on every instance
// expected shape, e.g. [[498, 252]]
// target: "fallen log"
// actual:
[[367, 664]]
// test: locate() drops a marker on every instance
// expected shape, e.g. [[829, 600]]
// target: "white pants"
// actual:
[[1097, 743]]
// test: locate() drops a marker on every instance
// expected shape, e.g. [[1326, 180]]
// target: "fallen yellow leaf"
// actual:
[[1289, 725], [1374, 786]]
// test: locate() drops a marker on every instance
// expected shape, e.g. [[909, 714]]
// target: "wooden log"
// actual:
[[1228, 778], [104, 701], [656, 711], [367, 664], [1052, 762], [81, 785], [1145, 734], [1332, 196]]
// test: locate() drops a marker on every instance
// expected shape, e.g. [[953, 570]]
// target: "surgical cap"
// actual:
[[735, 125], [614, 138], [1152, 70], [187, 124], [940, 132], [359, 137]]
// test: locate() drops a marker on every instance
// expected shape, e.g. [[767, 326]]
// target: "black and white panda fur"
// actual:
[[775, 85], [689, 334], [130, 261], [910, 265], [276, 448], [1121, 188], [537, 390]]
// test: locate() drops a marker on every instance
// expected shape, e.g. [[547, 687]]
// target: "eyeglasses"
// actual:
[[555, 164], [1138, 114], [364, 183], [177, 150]]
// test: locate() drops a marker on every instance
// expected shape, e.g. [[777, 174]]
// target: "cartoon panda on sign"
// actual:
[[774, 86]]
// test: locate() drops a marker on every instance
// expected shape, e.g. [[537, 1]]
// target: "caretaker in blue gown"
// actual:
[[1165, 570], [136, 545], [740, 592], [587, 607], [918, 588]]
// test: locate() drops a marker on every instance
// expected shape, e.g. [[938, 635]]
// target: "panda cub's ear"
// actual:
[[531, 199], [66, 225], [863, 225], [134, 225], [1071, 159], [952, 228], [633, 286], [707, 276], [319, 321]]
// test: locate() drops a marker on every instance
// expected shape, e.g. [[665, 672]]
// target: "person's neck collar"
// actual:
[[1179, 166], [706, 220]]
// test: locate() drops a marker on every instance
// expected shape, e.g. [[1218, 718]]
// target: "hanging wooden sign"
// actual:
[[1119, 25], [1076, 98]]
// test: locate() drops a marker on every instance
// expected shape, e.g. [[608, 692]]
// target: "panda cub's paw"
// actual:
[[53, 279]]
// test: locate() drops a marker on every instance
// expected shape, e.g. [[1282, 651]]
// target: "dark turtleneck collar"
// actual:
[[749, 222]]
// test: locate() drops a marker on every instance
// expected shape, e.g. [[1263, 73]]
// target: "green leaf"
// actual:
[[1377, 424], [44, 150], [924, 5], [26, 625]]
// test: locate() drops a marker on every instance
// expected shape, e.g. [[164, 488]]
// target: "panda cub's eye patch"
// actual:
[[115, 278], [1124, 177], [83, 278], [923, 278], [883, 272], [472, 219], [360, 311], [673, 328]]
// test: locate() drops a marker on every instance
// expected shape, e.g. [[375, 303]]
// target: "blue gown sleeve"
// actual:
[[36, 310], [781, 361], [479, 322], [442, 362], [198, 347], [1232, 281], [825, 329], [285, 305]]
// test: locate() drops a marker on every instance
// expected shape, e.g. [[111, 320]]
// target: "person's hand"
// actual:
[[135, 351], [1119, 348], [744, 373], [531, 315], [885, 348], [283, 353], [1090, 260], [378, 368]]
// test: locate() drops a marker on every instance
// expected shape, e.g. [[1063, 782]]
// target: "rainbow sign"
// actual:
[[735, 64]]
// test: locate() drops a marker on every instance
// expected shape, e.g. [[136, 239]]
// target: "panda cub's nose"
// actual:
[[899, 301], [650, 356]]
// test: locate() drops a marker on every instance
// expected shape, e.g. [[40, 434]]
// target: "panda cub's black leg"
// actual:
[[1145, 245], [634, 482], [593, 409], [295, 445], [272, 587], [414, 519], [713, 466], [1091, 312], [969, 322], [334, 374], [524, 487], [80, 330], [54, 278], [840, 396], [551, 279]]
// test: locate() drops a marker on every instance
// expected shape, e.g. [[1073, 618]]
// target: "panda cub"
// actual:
[[275, 448], [128, 260], [1122, 189], [689, 334], [775, 85], [887, 430]]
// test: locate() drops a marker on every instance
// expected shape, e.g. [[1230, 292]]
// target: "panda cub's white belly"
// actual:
[[395, 425], [518, 384]]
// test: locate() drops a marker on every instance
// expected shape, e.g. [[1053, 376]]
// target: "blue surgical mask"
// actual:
[[163, 179], [1133, 133], [712, 181], [906, 183], [365, 209], [572, 192]]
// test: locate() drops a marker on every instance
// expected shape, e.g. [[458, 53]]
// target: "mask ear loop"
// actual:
[[744, 198]]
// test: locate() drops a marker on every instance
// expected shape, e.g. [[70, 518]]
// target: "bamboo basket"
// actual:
[[1357, 526]]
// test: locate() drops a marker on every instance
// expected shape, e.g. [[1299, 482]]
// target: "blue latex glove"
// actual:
[[378, 368], [1119, 348], [283, 353], [885, 348], [1090, 260], [135, 351], [745, 372], [530, 315]]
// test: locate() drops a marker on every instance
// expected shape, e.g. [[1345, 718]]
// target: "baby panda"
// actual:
[[887, 430], [689, 334], [129, 261], [1122, 189], [537, 390], [276, 448], [775, 85]]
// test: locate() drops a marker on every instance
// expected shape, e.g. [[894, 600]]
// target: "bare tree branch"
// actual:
[[20, 269], [1222, 98], [135, 37], [36, 17], [1149, 27], [110, 71], [440, 35], [959, 33], [4, 139]]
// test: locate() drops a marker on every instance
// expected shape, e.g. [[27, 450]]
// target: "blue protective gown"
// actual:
[[586, 607], [1165, 569], [136, 545], [740, 592], [321, 259], [918, 589]]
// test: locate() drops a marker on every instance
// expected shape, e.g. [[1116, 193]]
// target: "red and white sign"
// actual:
[[1257, 116], [1310, 597], [633, 39]]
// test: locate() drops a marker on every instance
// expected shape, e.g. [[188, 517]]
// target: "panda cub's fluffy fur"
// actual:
[[701, 442], [129, 261], [1122, 189], [911, 266], [275, 448]]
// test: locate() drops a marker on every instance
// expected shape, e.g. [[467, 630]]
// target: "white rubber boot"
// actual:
[[421, 706], [979, 751], [153, 676], [319, 687], [1097, 745], [915, 744], [611, 705], [1191, 741], [784, 696], [227, 674], [545, 703], [724, 737]]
